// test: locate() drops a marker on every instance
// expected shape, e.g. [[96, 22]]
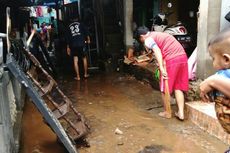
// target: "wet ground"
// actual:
[[118, 102]]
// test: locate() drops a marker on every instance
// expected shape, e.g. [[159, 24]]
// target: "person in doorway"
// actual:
[[78, 36], [43, 33], [173, 66], [216, 87]]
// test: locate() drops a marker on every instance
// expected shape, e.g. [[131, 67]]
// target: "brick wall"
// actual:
[[203, 115]]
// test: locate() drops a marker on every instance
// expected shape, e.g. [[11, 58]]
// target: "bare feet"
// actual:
[[77, 78], [178, 116], [86, 75], [165, 115]]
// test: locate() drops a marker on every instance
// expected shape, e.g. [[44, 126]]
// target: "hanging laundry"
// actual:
[[192, 65], [33, 12], [39, 11]]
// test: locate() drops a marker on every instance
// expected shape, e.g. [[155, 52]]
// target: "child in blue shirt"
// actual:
[[219, 83]]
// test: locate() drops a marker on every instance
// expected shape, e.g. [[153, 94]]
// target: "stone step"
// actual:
[[204, 115]]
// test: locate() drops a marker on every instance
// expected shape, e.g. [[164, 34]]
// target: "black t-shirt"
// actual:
[[77, 34]]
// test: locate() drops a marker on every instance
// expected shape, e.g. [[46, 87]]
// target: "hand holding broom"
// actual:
[[167, 106]]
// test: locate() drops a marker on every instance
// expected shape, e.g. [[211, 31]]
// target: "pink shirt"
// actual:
[[168, 45]]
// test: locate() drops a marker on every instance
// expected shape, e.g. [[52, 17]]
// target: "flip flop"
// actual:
[[179, 117], [165, 115]]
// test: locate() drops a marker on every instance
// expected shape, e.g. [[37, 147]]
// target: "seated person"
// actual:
[[216, 87], [137, 54]]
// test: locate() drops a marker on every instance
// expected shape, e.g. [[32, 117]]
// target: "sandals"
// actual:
[[179, 117], [165, 115]]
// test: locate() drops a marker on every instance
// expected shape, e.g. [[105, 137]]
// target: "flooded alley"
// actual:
[[122, 113], [88, 71]]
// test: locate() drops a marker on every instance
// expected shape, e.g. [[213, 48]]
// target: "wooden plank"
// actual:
[[40, 104]]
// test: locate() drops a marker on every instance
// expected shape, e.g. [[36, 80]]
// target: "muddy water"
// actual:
[[37, 137], [118, 101]]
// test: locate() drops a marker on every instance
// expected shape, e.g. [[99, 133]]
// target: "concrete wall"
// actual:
[[11, 103], [128, 21], [225, 8], [7, 144], [208, 26], [6, 126]]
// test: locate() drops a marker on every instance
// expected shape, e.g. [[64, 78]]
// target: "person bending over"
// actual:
[[173, 66]]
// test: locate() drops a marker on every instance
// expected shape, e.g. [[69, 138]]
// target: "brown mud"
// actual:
[[119, 111]]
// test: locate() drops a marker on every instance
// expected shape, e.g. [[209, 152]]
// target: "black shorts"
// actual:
[[78, 51]]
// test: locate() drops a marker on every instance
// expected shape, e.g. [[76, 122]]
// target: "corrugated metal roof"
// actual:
[[16, 3], [53, 2]]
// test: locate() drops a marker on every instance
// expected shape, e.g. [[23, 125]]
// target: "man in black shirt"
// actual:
[[78, 36]]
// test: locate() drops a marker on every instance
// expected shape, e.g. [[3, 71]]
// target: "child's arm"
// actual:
[[217, 82]]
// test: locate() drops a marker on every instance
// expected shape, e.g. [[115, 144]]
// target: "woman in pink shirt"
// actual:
[[173, 66]]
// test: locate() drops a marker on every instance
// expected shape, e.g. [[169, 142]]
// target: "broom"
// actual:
[[167, 96]]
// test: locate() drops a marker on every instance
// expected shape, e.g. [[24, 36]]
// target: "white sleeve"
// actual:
[[150, 43]]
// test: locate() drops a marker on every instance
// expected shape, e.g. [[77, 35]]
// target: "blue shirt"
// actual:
[[224, 73]]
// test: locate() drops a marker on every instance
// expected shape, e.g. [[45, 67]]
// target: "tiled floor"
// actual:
[[203, 115], [206, 108]]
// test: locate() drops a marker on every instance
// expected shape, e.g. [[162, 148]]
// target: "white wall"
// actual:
[[208, 26], [128, 20], [1, 51], [225, 8]]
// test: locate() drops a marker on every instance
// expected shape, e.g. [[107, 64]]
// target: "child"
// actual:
[[78, 34], [173, 65], [136, 50], [138, 55], [218, 85]]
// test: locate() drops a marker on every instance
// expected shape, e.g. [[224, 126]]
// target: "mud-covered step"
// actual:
[[144, 73], [204, 115]]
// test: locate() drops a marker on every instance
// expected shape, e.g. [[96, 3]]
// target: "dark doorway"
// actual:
[[143, 12], [187, 13]]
